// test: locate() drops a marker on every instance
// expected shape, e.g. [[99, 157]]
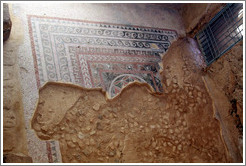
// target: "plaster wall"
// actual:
[[196, 15]]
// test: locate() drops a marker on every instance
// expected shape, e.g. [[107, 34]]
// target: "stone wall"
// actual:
[[223, 82], [196, 15], [14, 138], [224, 77], [6, 22], [227, 71], [227, 75]]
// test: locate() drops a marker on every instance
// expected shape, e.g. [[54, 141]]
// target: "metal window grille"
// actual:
[[222, 32]]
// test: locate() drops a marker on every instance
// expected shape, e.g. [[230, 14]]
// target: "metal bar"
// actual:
[[215, 24], [219, 14], [233, 19], [227, 36], [222, 53], [211, 44], [222, 34], [222, 25], [230, 47], [228, 42], [214, 40]]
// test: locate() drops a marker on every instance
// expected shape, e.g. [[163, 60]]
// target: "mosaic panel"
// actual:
[[95, 54]]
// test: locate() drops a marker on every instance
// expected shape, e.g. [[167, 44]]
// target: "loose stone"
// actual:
[[96, 107]]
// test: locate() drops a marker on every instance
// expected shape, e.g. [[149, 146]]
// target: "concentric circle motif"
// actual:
[[121, 81]]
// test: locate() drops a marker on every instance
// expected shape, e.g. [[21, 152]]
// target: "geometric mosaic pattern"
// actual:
[[95, 54], [98, 69]]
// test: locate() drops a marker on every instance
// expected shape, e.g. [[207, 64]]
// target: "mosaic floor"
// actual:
[[93, 54]]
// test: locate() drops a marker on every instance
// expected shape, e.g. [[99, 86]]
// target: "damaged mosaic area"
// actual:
[[95, 54], [138, 125]]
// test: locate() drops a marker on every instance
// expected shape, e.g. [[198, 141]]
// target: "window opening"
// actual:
[[222, 32]]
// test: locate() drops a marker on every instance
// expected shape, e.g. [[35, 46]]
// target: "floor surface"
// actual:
[[92, 45]]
